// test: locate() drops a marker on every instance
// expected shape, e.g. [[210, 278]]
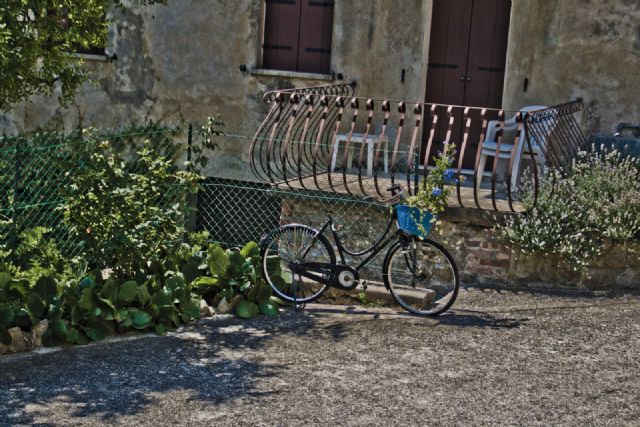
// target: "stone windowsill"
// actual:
[[91, 57], [292, 74]]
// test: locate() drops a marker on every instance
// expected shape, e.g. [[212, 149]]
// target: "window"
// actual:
[[297, 35], [91, 50], [61, 18]]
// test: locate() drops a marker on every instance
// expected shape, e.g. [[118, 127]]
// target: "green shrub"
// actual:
[[98, 308], [85, 308], [25, 303], [598, 199], [125, 201], [33, 255], [236, 276], [35, 167], [127, 208], [38, 283], [31, 269], [32, 170], [82, 310]]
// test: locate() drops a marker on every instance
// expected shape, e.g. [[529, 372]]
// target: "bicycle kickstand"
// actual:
[[296, 307]]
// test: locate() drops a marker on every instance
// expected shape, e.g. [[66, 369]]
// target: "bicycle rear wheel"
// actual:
[[421, 275], [294, 243]]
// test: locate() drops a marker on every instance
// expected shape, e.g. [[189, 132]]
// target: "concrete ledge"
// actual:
[[91, 57], [375, 293], [292, 74], [473, 216]]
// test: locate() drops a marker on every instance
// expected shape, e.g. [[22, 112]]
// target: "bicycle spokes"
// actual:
[[289, 246], [422, 277], [299, 263]]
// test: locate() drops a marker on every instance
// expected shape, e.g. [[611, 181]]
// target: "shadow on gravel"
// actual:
[[475, 321], [115, 379], [450, 318]]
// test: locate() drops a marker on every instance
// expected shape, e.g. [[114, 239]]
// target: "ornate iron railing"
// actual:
[[324, 138]]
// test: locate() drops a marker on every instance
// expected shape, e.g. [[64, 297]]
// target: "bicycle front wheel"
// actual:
[[294, 243], [421, 275]]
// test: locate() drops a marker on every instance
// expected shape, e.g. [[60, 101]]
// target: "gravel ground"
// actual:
[[499, 358]]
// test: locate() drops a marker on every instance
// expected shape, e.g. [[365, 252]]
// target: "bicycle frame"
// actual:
[[373, 250], [407, 278]]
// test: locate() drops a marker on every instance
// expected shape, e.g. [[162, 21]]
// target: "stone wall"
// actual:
[[482, 259]]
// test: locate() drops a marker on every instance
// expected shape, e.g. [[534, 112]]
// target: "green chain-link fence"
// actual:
[[31, 175], [235, 212], [36, 169]]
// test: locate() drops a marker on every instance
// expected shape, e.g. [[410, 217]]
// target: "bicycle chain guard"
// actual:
[[334, 275]]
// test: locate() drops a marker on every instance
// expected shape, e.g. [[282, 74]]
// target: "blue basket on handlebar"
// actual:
[[414, 221]]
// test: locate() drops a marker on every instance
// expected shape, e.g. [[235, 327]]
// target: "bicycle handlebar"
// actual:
[[397, 194], [394, 188]]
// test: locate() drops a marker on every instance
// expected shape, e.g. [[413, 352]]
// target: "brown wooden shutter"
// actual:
[[316, 26], [281, 30]]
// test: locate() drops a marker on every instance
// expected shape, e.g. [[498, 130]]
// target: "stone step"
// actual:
[[376, 292]]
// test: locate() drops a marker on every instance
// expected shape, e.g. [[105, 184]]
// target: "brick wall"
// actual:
[[487, 259], [482, 259]]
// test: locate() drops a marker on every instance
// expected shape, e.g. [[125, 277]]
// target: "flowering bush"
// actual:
[[433, 192], [599, 199]]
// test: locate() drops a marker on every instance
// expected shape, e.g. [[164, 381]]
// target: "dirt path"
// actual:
[[500, 358]]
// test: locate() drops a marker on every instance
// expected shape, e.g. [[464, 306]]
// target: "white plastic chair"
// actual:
[[358, 138], [506, 146]]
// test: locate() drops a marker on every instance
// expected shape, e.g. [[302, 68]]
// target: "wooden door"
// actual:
[[467, 54], [487, 53], [448, 51]]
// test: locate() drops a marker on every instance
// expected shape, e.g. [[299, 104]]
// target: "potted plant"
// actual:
[[419, 212]]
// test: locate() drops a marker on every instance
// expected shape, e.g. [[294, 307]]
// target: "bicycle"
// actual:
[[300, 264]]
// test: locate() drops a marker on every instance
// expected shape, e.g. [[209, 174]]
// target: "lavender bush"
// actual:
[[599, 199]]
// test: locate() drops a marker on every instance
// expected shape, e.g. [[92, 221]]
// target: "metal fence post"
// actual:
[[16, 196], [416, 173], [189, 141], [192, 199]]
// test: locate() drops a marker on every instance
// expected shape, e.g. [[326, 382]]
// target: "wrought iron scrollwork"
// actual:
[[327, 139]]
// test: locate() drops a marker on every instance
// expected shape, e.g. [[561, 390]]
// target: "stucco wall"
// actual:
[[576, 48], [181, 62]]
